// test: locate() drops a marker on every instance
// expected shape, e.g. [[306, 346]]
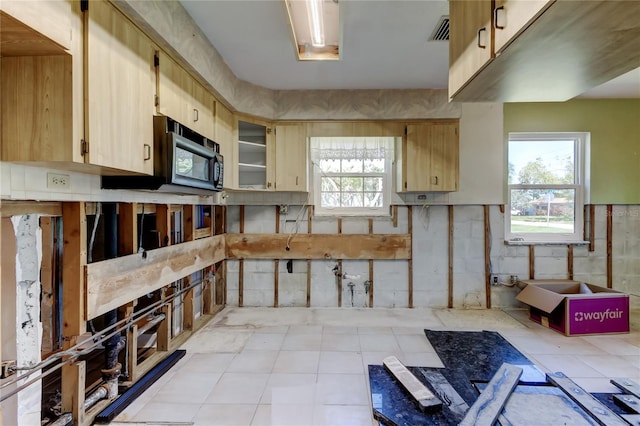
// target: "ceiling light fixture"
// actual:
[[316, 22], [315, 28]]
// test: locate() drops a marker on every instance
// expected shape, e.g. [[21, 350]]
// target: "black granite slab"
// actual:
[[479, 354], [393, 406]]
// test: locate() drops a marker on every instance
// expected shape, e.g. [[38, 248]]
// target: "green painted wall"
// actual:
[[614, 125]]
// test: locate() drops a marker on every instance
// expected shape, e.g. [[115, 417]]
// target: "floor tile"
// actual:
[[342, 415], [225, 415], [167, 412], [265, 341], [414, 343], [570, 365], [342, 389], [378, 343], [208, 363], [612, 366], [337, 329], [421, 359], [399, 331], [305, 329], [341, 362], [614, 345], [284, 415], [297, 362], [592, 384], [375, 330], [340, 342], [186, 387], [302, 342], [253, 362], [289, 388], [238, 388]]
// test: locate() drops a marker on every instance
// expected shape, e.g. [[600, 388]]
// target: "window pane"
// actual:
[[542, 162], [352, 183], [542, 210], [375, 165], [352, 199], [329, 166], [352, 166], [373, 184], [330, 183], [373, 199], [330, 199]]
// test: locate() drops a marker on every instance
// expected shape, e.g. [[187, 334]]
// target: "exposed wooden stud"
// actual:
[[276, 263], [219, 225], [487, 257], [19, 208], [370, 269], [74, 260], [410, 263], [340, 268], [309, 230], [609, 246], [73, 388], [501, 206], [163, 224], [570, 261], [450, 255], [592, 227], [188, 307], [241, 264], [132, 351], [48, 298], [532, 262], [127, 228], [188, 218], [164, 329], [394, 215]]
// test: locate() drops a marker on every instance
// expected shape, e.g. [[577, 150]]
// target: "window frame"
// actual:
[[580, 144], [387, 182]]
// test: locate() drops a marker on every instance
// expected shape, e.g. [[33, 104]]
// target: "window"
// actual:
[[546, 187], [352, 175]]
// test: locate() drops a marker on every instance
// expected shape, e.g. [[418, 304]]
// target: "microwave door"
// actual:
[[192, 164]]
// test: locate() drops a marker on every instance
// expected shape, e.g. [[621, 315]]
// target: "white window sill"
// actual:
[[544, 243]]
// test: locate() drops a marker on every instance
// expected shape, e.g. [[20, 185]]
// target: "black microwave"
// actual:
[[184, 162]]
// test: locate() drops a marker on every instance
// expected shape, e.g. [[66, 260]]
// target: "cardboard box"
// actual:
[[576, 308]]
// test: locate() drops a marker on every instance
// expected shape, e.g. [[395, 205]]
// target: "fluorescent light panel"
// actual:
[[316, 22], [315, 26]]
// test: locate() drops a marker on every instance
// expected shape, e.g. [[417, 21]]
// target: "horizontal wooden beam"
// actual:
[[114, 282], [319, 246]]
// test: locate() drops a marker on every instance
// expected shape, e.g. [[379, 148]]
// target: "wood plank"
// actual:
[[276, 263], [370, 269], [132, 351], [209, 293], [628, 402], [240, 263], [47, 298], [202, 233], [309, 230], [127, 228], [450, 257], [319, 246], [628, 386], [394, 215], [18, 208], [598, 411], [73, 388], [570, 261], [188, 307], [163, 224], [489, 404], [112, 283], [164, 329], [420, 394], [592, 227], [487, 257], [188, 218], [74, 259], [532, 262], [339, 278], [609, 246], [410, 263]]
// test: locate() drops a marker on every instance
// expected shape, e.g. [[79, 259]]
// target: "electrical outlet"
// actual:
[[422, 197], [495, 280], [284, 209], [58, 181]]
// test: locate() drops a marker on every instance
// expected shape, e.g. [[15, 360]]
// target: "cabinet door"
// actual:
[[171, 91], [291, 157], [470, 40], [228, 145], [201, 110], [120, 91], [253, 155], [511, 17], [430, 158]]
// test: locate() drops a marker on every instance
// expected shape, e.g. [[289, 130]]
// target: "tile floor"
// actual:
[[299, 366]]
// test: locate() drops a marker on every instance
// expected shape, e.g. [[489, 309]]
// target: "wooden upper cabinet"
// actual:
[[183, 98], [228, 145], [429, 157], [511, 17], [119, 91], [291, 157], [470, 41], [255, 154]]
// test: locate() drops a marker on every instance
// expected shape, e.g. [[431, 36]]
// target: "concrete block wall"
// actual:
[[430, 226]]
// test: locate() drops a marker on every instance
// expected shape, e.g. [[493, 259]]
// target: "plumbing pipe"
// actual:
[[90, 401]]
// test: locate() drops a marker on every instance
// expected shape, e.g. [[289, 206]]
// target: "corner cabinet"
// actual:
[[429, 157], [291, 157], [254, 142]]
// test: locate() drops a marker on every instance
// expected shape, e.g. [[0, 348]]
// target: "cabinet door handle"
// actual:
[[268, 184], [480, 44], [196, 115], [496, 15], [296, 180], [147, 152]]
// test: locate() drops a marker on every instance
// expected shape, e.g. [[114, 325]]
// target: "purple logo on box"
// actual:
[[599, 315]]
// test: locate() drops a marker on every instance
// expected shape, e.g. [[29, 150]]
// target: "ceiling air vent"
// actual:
[[441, 31]]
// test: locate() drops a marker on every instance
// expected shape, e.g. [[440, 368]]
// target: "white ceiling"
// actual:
[[385, 45]]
